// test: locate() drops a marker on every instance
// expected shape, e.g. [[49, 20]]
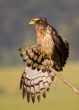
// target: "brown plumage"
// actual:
[[37, 77], [51, 51]]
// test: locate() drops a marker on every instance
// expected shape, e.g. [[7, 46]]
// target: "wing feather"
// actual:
[[61, 50]]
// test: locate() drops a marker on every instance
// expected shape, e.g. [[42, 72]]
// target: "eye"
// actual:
[[42, 21]]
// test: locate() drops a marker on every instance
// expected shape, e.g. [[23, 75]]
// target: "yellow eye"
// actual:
[[42, 21]]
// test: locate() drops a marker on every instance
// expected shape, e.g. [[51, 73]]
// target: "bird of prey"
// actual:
[[50, 51]]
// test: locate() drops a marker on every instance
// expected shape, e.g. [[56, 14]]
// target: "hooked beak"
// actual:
[[31, 22]]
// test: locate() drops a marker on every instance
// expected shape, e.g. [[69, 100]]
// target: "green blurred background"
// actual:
[[15, 33]]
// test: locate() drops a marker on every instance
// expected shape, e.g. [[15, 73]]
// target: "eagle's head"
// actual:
[[38, 20]]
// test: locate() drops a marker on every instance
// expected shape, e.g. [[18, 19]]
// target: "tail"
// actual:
[[34, 83], [37, 77]]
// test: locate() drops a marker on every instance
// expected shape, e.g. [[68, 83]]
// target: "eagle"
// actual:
[[50, 51]]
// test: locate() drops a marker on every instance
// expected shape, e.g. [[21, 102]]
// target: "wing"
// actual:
[[61, 50], [36, 78]]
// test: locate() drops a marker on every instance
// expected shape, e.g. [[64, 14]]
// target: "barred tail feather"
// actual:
[[37, 77], [34, 83]]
